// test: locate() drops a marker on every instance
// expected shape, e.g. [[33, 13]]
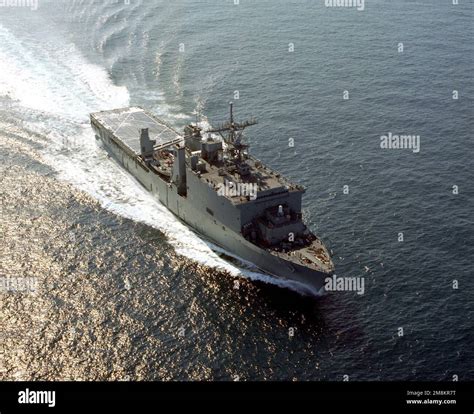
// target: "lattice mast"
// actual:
[[234, 131]]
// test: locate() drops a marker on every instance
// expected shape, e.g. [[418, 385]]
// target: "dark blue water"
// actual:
[[125, 297]]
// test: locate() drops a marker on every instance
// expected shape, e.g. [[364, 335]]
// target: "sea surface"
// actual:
[[123, 291]]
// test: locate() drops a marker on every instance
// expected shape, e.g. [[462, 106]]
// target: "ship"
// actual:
[[209, 180]]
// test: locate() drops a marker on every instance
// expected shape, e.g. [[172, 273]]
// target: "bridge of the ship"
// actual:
[[262, 176]]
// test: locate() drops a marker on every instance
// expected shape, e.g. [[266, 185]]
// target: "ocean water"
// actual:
[[122, 290]]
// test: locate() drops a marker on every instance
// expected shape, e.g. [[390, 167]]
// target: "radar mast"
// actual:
[[232, 133]]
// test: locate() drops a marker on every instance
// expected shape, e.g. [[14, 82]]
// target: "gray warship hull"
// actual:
[[118, 138]]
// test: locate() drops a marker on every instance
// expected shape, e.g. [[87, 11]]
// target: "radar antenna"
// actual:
[[234, 132]]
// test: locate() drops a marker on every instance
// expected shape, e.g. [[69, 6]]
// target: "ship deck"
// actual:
[[126, 123], [264, 178]]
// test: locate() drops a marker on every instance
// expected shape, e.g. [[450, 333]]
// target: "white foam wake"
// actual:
[[60, 88], [53, 77]]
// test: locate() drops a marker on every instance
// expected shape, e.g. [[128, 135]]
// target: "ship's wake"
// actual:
[[51, 89]]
